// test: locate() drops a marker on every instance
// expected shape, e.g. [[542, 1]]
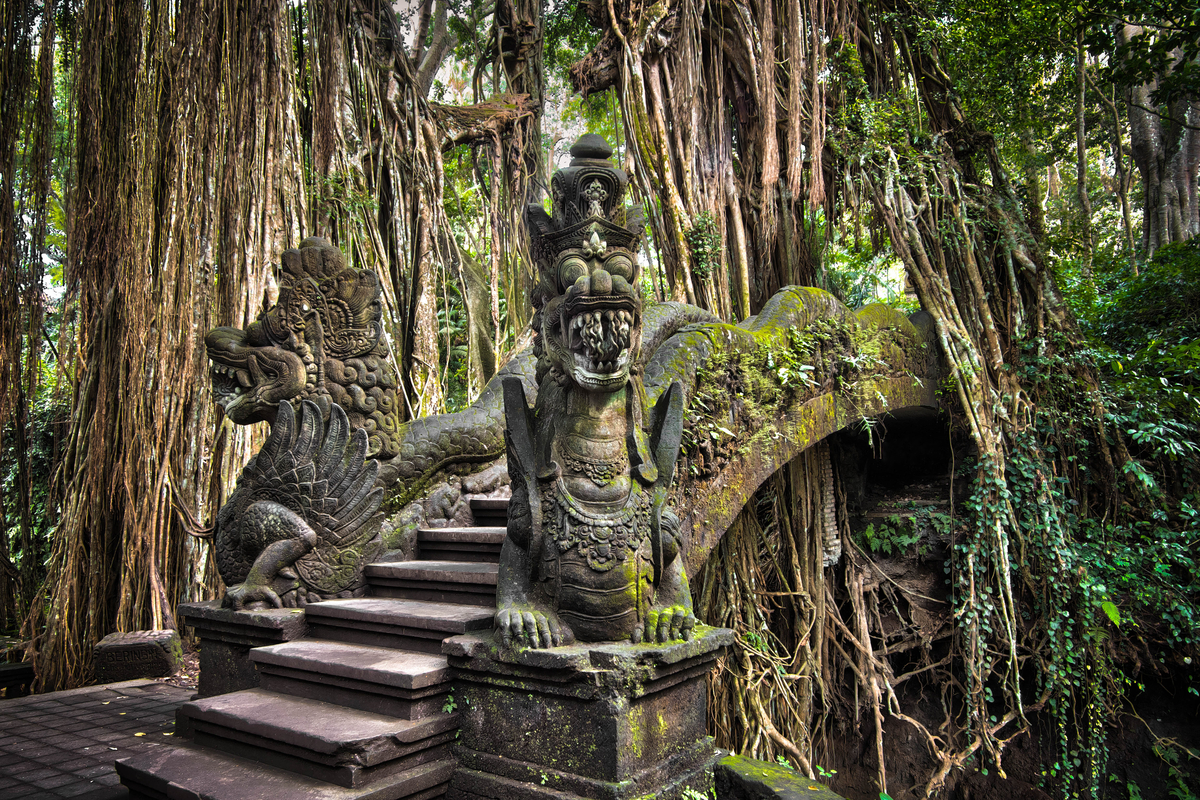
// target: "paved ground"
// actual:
[[63, 744]]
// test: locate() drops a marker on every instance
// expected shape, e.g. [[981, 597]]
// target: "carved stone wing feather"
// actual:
[[335, 484], [321, 472]]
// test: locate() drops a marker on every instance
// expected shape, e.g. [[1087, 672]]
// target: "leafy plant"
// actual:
[[890, 538]]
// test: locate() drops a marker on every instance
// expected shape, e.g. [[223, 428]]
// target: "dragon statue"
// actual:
[[302, 521], [321, 342], [638, 408]]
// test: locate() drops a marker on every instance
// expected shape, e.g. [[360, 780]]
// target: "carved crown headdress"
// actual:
[[316, 283], [587, 199]]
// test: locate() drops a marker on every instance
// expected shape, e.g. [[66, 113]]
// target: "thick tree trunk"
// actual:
[[188, 126], [714, 145], [1166, 150]]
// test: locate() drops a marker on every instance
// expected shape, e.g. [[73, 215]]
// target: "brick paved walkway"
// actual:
[[63, 744]]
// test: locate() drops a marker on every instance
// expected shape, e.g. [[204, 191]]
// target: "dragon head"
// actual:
[[322, 341], [251, 374], [588, 304]]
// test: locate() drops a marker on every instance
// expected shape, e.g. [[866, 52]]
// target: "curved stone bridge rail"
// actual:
[[762, 392], [757, 394]]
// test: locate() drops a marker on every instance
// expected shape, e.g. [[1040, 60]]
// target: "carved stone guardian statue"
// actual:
[[592, 552], [592, 684]]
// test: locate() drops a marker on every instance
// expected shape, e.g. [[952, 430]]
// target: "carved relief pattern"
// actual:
[[604, 540]]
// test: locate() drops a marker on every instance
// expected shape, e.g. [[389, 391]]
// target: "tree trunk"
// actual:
[[1166, 150], [198, 133], [1081, 182]]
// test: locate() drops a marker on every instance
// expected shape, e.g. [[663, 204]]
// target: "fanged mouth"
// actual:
[[229, 384], [599, 340]]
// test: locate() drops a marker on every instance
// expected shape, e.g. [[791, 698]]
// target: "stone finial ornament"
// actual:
[[592, 552]]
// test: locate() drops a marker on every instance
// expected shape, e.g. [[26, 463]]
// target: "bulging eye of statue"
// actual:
[[571, 269], [620, 265]]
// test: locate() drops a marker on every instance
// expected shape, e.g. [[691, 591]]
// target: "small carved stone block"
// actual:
[[138, 654]]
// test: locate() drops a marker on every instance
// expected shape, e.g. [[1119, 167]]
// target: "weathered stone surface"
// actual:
[[608, 721], [741, 778], [402, 624], [393, 668], [346, 746], [460, 544], [250, 628], [137, 654], [227, 636], [723, 496], [377, 679], [466, 582], [186, 771]]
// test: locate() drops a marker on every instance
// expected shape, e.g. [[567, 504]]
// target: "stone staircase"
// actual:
[[358, 708]]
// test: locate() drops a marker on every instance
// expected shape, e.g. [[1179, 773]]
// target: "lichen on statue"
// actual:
[[592, 552]]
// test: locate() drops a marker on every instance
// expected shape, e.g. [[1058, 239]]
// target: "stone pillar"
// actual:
[[601, 721], [227, 636]]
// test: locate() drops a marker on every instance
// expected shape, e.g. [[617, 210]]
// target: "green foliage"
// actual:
[[568, 34], [1133, 573], [1162, 303], [704, 241], [453, 346], [48, 418], [1180, 780], [891, 538], [1166, 53]]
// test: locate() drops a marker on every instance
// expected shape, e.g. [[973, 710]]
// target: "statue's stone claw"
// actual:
[[246, 594], [666, 625], [531, 628]]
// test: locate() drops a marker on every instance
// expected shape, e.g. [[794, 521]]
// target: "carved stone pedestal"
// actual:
[[227, 636], [599, 721]]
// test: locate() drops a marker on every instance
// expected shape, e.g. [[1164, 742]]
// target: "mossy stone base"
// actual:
[[599, 721], [744, 778]]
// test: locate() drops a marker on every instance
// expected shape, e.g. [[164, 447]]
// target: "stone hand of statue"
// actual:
[[244, 594], [532, 627], [665, 625]]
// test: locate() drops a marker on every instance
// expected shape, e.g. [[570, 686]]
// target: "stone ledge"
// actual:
[[742, 778], [246, 628], [589, 657], [585, 671], [482, 775]]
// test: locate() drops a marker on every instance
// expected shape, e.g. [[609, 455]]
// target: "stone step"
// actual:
[[188, 771], [399, 624], [394, 682], [490, 511], [461, 544], [345, 746], [467, 582]]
